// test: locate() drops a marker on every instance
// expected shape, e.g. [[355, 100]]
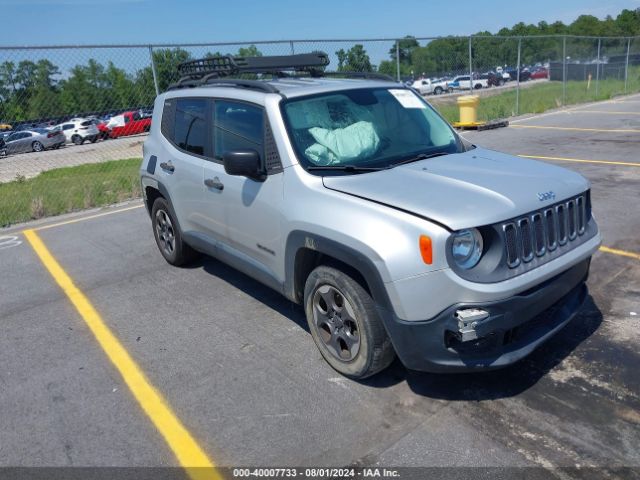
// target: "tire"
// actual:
[[345, 324], [168, 235], [94, 139], [437, 90], [3, 152], [77, 140], [37, 146], [477, 86], [450, 90]]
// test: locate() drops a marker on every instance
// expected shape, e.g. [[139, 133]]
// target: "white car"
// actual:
[[427, 86], [79, 130], [461, 82]]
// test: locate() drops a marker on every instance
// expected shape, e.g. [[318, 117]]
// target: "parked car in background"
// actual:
[[128, 123], [79, 130], [502, 73], [525, 74], [36, 140], [539, 73], [5, 127], [428, 86], [493, 79], [461, 82]]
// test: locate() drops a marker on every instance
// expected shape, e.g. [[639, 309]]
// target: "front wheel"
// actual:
[[77, 140], [345, 324], [168, 235], [438, 90]]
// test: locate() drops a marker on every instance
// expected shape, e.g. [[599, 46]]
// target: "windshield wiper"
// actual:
[[345, 168], [417, 158]]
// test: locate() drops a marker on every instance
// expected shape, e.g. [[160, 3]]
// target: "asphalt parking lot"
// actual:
[[237, 368]]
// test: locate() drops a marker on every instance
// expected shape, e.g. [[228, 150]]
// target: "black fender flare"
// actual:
[[299, 239]]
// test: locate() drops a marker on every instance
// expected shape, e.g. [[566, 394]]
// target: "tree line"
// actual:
[[31, 90]]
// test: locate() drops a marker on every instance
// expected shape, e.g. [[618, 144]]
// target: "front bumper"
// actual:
[[514, 328]]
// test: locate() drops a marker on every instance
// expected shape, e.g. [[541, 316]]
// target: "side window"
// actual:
[[67, 126], [190, 127], [136, 116], [126, 119], [237, 126]]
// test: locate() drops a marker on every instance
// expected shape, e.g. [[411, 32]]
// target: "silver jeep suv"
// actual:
[[352, 197]]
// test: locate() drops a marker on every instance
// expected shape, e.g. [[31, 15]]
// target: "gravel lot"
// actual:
[[239, 368], [31, 164]]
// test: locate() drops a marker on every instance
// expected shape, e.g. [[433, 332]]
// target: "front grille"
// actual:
[[539, 233]]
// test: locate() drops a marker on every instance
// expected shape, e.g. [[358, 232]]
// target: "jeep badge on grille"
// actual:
[[546, 196]]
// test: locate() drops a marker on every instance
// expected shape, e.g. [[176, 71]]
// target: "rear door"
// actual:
[[22, 143], [181, 163]]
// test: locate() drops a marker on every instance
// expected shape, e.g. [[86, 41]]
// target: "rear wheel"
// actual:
[[168, 236], [94, 139], [345, 324], [37, 146], [77, 140]]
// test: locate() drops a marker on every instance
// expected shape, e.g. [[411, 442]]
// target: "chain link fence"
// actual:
[[73, 118]]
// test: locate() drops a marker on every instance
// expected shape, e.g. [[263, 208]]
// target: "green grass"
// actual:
[[67, 189], [543, 97]]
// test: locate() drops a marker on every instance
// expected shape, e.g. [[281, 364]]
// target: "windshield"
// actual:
[[369, 128]]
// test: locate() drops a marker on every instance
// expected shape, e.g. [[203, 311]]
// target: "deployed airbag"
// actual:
[[342, 144]]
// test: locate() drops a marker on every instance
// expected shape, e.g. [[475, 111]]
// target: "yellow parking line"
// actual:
[[189, 454], [606, 113], [576, 129], [622, 253], [82, 219], [580, 160]]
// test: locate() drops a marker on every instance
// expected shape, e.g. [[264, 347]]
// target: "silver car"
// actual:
[[356, 200], [36, 140]]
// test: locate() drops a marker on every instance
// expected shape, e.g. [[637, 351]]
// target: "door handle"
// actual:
[[214, 183], [168, 166]]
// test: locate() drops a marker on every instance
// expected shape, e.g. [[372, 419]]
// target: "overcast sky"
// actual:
[[45, 22]]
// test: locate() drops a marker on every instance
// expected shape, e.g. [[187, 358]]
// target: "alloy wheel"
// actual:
[[165, 232], [335, 322]]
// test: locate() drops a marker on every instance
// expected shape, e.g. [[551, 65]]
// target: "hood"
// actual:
[[471, 189]]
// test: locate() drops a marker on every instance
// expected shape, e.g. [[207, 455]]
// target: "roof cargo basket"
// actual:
[[227, 65], [220, 71]]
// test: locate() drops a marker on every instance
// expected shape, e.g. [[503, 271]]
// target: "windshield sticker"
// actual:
[[407, 98]]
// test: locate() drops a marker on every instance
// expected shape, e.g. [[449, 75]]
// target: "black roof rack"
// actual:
[[228, 65], [217, 70]]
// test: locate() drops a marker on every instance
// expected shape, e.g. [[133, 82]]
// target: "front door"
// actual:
[[252, 208]]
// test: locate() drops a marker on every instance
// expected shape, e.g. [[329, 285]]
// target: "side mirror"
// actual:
[[244, 163]]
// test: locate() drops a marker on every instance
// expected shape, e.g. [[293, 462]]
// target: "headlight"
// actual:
[[466, 248]]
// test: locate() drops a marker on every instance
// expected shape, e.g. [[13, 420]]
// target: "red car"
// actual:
[[539, 73], [127, 123]]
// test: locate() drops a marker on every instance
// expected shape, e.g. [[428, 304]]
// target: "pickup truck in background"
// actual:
[[461, 82], [428, 86], [127, 123]]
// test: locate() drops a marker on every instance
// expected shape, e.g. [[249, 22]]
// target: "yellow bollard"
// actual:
[[468, 105]]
